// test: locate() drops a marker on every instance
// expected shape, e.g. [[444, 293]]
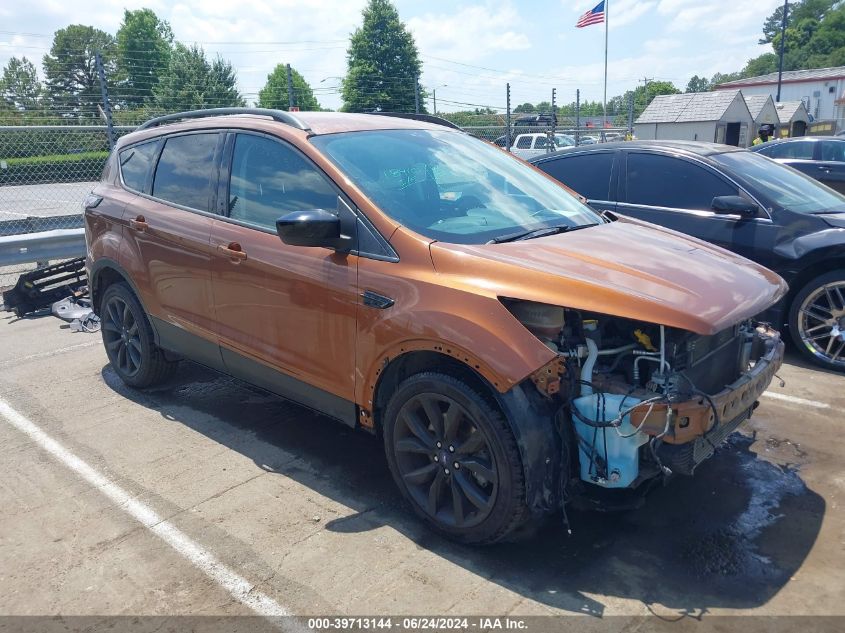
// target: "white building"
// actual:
[[822, 89], [720, 117]]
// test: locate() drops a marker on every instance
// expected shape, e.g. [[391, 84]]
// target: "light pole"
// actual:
[[782, 40], [434, 96]]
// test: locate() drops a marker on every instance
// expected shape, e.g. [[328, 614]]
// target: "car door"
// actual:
[[166, 248], [677, 192], [800, 155], [522, 146], [590, 174], [286, 315], [831, 163]]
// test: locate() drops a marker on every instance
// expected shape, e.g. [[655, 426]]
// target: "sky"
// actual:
[[469, 49]]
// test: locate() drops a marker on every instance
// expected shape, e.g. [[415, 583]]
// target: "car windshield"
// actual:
[[782, 186], [450, 186]]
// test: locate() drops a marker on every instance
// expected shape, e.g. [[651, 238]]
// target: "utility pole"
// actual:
[[782, 41], [291, 101], [434, 99], [417, 94], [578, 117], [104, 90], [631, 114], [508, 117]]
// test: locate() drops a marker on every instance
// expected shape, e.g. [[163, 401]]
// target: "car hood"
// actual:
[[625, 268]]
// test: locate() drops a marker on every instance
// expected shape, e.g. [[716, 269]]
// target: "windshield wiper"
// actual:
[[543, 232]]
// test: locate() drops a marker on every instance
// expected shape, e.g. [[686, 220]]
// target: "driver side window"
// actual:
[[269, 180]]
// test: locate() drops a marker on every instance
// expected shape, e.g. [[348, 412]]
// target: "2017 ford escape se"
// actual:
[[516, 350]]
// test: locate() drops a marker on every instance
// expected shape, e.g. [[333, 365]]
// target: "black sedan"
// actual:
[[822, 158], [737, 199]]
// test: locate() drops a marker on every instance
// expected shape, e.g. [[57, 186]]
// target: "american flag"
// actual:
[[594, 16]]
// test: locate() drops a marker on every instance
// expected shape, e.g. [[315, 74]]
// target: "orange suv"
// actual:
[[517, 351]]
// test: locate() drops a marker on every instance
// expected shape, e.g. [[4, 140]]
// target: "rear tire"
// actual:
[[817, 320], [129, 341], [455, 460]]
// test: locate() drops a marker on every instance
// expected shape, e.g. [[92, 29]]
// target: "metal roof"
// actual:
[[688, 107], [815, 74], [756, 103]]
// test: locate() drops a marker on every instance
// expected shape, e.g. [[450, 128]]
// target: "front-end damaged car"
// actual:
[[517, 352]]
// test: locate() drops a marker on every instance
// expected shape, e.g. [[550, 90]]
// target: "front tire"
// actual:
[[129, 341], [455, 459], [817, 320]]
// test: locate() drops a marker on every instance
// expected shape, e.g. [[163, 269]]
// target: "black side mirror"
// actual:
[[734, 205], [314, 227]]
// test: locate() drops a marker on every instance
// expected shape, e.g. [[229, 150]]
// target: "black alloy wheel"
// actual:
[[454, 457], [445, 460], [122, 336]]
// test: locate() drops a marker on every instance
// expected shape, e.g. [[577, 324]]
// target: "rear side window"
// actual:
[[833, 150], [136, 163], [801, 150], [270, 179], [663, 181], [587, 174], [184, 170], [524, 142]]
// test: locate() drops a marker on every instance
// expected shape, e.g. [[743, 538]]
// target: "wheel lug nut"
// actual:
[[436, 458], [456, 465], [446, 470], [439, 445], [451, 449]]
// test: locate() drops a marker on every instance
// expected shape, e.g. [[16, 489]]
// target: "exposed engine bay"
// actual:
[[639, 400]]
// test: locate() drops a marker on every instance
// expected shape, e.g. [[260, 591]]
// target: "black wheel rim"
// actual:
[[821, 323], [121, 336], [445, 460]]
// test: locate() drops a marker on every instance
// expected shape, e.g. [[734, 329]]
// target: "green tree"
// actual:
[[19, 86], [192, 82], [73, 85], [274, 94], [143, 54], [525, 108], [383, 64], [698, 84]]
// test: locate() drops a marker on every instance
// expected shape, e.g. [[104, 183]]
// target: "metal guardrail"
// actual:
[[41, 247]]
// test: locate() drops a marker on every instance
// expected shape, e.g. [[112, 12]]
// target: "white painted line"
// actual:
[[805, 403], [61, 350], [236, 585]]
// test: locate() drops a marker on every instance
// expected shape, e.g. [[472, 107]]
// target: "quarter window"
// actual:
[[587, 174], [135, 165], [270, 180], [185, 169], [663, 181], [523, 142]]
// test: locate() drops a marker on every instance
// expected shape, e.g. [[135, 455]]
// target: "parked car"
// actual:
[[737, 199], [512, 347], [537, 143], [822, 158]]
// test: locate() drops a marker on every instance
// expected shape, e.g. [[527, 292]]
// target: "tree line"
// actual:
[[149, 72]]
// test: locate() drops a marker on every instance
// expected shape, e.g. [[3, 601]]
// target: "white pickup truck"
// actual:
[[536, 143]]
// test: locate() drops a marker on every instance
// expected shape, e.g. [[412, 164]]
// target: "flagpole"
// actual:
[[606, 28]]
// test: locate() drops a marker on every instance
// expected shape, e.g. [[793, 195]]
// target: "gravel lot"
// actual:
[[302, 513]]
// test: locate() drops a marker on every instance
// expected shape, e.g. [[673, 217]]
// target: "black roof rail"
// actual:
[[277, 115], [428, 118]]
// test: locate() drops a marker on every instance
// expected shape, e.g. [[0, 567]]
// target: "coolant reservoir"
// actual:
[[597, 445]]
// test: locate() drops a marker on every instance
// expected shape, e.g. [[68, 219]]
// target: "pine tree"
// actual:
[[192, 82], [19, 86], [143, 54], [383, 64]]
